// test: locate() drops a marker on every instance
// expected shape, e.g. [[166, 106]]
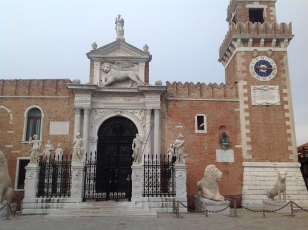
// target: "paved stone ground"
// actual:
[[189, 221]]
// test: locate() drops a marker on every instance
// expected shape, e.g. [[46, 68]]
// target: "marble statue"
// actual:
[[137, 149], [119, 22], [77, 149], [116, 74], [94, 46], [35, 151], [59, 153], [179, 150], [280, 187], [6, 190], [170, 152], [47, 151], [208, 186], [224, 141]]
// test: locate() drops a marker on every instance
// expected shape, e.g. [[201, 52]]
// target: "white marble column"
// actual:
[[157, 135], [137, 175], [77, 120], [147, 131], [86, 129], [97, 66]]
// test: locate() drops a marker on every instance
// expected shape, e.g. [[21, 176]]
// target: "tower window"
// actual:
[[256, 15], [200, 123]]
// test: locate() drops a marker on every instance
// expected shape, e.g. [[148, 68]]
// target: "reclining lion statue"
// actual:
[[6, 190], [208, 187]]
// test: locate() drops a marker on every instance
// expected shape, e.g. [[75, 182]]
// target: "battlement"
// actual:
[[201, 90], [250, 32], [34, 87]]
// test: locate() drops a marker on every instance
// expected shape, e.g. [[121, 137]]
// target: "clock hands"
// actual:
[[263, 68]]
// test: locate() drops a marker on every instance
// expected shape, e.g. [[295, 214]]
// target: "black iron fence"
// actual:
[[55, 177], [158, 177]]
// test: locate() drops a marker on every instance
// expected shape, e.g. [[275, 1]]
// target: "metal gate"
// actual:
[[108, 173]]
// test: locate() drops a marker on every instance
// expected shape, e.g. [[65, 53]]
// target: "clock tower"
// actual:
[[254, 54]]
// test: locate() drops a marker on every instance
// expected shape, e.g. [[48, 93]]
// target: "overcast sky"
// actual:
[[49, 39]]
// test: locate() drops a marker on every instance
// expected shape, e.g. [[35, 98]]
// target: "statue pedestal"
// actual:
[[203, 204], [31, 181], [137, 175], [272, 205], [77, 182]]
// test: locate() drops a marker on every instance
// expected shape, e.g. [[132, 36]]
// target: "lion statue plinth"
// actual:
[[208, 187], [280, 187], [6, 190]]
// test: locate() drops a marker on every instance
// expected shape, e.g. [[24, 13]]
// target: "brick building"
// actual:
[[254, 108]]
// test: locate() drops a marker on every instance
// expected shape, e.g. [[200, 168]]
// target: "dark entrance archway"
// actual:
[[114, 157]]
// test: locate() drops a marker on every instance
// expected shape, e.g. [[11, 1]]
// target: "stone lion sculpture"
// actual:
[[6, 190], [280, 187], [208, 187], [116, 74]]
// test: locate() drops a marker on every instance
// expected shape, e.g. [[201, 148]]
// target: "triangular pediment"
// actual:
[[118, 49]]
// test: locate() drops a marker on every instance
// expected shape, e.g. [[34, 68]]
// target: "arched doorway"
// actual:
[[114, 157]]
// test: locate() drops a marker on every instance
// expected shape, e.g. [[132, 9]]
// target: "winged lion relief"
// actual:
[[117, 73]]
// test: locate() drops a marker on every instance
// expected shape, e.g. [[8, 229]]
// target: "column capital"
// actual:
[[148, 111], [87, 110], [77, 109], [156, 111]]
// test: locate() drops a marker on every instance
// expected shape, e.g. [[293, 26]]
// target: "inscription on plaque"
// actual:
[[82, 97], [224, 155], [59, 128], [265, 95], [113, 100]]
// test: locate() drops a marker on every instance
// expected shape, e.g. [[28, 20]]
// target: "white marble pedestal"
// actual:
[[203, 204], [137, 174], [272, 205], [77, 182]]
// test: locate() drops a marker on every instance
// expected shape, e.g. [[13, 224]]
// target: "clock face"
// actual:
[[263, 68]]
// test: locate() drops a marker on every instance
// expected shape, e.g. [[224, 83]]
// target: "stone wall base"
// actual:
[[161, 204], [39, 206], [270, 205], [203, 204], [261, 176]]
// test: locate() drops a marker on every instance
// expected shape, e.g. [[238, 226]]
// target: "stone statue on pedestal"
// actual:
[[208, 186], [47, 151], [59, 153], [179, 150], [280, 187], [137, 149], [77, 149], [119, 22], [6, 190], [35, 151], [170, 152], [224, 141]]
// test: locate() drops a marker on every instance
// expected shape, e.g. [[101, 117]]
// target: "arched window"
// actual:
[[34, 123]]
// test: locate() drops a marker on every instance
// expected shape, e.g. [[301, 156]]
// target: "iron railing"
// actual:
[[55, 177], [158, 177]]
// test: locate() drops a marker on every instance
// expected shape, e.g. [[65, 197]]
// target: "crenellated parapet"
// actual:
[[34, 87], [250, 35], [201, 90]]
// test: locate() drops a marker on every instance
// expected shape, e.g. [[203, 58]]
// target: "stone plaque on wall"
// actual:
[[59, 128], [224, 155], [82, 97], [265, 95]]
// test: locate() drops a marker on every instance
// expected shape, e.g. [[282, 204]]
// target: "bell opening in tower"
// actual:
[[256, 15]]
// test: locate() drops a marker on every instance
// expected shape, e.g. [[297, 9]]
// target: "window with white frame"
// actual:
[[200, 123], [20, 175], [33, 119]]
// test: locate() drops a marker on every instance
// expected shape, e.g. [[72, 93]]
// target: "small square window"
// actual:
[[200, 123], [256, 15]]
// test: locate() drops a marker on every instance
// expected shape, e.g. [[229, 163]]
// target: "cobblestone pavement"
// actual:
[[189, 221]]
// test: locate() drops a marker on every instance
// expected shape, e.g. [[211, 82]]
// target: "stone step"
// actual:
[[101, 209]]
